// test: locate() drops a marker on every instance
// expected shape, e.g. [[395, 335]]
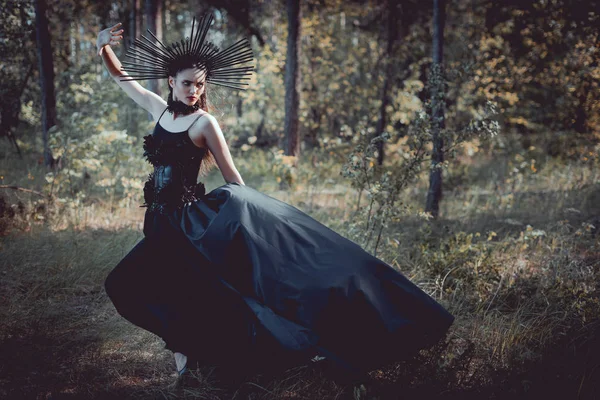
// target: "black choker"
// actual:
[[177, 106]]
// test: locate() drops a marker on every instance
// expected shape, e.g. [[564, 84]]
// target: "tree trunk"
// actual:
[[139, 17], [135, 30], [392, 35], [154, 11], [46, 68], [292, 79], [75, 53], [16, 110], [581, 117], [434, 195], [240, 106], [239, 10]]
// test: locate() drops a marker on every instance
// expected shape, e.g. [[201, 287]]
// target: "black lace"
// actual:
[[175, 153], [180, 154]]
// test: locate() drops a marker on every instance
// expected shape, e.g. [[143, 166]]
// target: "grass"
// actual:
[[515, 256]]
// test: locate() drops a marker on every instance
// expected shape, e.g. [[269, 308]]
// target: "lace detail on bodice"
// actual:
[[176, 161]]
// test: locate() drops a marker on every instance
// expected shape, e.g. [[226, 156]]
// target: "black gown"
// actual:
[[237, 277]]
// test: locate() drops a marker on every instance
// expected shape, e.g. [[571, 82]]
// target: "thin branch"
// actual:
[[20, 189]]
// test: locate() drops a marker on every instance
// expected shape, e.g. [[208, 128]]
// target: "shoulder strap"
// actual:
[[199, 116], [158, 120]]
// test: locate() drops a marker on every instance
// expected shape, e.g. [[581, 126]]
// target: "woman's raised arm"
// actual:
[[150, 101]]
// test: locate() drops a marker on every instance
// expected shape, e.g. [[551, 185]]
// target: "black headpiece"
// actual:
[[222, 68]]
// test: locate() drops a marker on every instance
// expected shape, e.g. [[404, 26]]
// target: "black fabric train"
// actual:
[[235, 276]]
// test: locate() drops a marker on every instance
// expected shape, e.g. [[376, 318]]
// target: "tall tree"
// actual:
[[135, 30], [134, 21], [46, 70], [292, 79], [434, 194], [154, 13], [239, 10], [392, 34], [137, 25]]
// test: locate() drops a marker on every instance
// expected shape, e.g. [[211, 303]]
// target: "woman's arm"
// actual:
[[150, 101], [210, 133]]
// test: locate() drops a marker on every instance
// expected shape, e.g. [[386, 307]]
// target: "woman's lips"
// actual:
[[191, 98]]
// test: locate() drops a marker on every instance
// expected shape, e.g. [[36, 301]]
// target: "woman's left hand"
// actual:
[[108, 36]]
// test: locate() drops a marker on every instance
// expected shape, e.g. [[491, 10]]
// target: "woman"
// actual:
[[235, 276]]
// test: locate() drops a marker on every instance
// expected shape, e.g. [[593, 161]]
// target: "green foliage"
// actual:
[[539, 61], [384, 184], [515, 255], [95, 159]]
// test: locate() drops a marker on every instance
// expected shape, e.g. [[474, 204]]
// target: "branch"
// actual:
[[20, 189]]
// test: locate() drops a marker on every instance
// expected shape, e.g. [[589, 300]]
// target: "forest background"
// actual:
[[468, 161]]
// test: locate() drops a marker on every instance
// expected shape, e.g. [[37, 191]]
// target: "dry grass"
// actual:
[[525, 299]]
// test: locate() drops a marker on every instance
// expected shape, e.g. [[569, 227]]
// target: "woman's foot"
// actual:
[[181, 363]]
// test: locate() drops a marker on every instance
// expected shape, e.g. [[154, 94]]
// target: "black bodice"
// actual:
[[176, 160]]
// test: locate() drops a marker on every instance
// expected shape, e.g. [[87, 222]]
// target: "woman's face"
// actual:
[[188, 85]]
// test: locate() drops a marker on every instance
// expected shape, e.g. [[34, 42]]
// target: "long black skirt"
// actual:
[[242, 278]]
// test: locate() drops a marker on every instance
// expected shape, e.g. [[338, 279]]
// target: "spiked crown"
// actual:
[[223, 68]]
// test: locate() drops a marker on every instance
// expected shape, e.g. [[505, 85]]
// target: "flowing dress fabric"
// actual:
[[237, 276]]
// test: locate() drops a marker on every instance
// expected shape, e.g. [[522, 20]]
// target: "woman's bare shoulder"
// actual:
[[206, 121], [203, 126], [209, 117]]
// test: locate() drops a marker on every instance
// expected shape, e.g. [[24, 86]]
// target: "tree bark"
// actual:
[[154, 12], [46, 69], [10, 118], [135, 30], [239, 10], [434, 194], [292, 79], [139, 19], [392, 35]]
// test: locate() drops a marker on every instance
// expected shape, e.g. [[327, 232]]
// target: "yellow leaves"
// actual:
[[413, 85], [289, 160], [113, 115], [518, 121], [511, 97], [91, 164], [110, 136], [424, 215], [532, 167], [487, 43], [106, 182], [132, 183], [407, 105], [471, 147]]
